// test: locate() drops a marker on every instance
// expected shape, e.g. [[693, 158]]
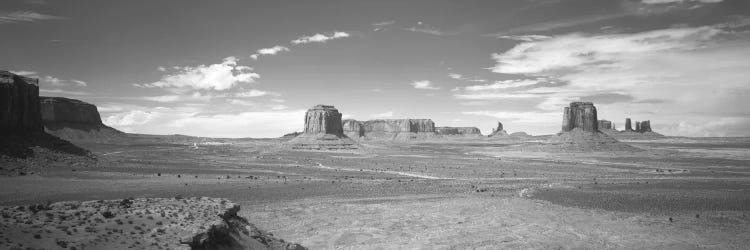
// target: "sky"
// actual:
[[252, 68]]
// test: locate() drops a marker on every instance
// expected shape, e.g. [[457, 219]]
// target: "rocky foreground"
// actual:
[[144, 223]]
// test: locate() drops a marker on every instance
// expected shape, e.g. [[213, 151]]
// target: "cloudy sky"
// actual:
[[251, 68]]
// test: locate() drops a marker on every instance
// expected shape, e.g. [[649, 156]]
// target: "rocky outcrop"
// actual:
[[628, 125], [64, 110], [323, 119], [19, 105], [323, 131], [458, 131], [140, 223], [581, 132], [75, 120], [499, 131], [389, 129], [353, 128], [643, 127], [605, 124], [580, 115]]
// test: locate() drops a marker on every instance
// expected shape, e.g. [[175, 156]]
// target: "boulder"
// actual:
[[461, 131], [580, 115], [499, 131], [19, 105]]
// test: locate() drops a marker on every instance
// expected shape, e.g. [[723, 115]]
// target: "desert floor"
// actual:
[[679, 193]]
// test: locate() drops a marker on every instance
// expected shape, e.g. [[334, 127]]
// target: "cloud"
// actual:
[[506, 84], [383, 115], [269, 51], [424, 84], [381, 25], [162, 98], [553, 25], [320, 38], [525, 38], [130, 118], [455, 76], [57, 82], [664, 72], [61, 92], [252, 93], [678, 1], [220, 76], [25, 73], [431, 31], [519, 117], [25, 16]]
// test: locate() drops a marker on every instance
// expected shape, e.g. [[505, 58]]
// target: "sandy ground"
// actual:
[[459, 194]]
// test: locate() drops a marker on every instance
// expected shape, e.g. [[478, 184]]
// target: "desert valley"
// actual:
[[71, 182]]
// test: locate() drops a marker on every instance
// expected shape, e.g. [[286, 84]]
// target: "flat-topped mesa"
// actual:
[[499, 131], [323, 119], [399, 125], [580, 115], [19, 105], [466, 131], [353, 128], [628, 125], [64, 110], [605, 124], [323, 131]]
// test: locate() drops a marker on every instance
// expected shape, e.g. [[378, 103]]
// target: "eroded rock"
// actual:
[[19, 105], [458, 131], [580, 115]]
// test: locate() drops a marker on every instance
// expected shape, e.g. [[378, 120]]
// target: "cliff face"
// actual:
[[353, 128], [323, 119], [628, 125], [580, 115], [605, 124], [64, 110], [323, 131], [458, 131], [399, 125], [19, 105]]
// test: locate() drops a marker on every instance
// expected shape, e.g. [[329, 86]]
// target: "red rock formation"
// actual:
[[353, 128], [323, 119], [628, 126], [64, 110], [19, 105], [399, 125], [605, 124], [458, 131], [580, 115], [499, 131]]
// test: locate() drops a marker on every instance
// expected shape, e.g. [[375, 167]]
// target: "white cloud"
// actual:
[[383, 115], [61, 92], [130, 118], [162, 98], [431, 31], [455, 76], [252, 93], [520, 117], [525, 38], [381, 25], [424, 84], [24, 16], [25, 73], [220, 76], [679, 1], [320, 38], [506, 84], [694, 69], [269, 51]]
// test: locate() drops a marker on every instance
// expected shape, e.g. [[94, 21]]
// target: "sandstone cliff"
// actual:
[[642, 131], [580, 115], [459, 131], [323, 131], [391, 129], [75, 120], [19, 105], [581, 132], [605, 124], [353, 128], [628, 125], [499, 131]]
